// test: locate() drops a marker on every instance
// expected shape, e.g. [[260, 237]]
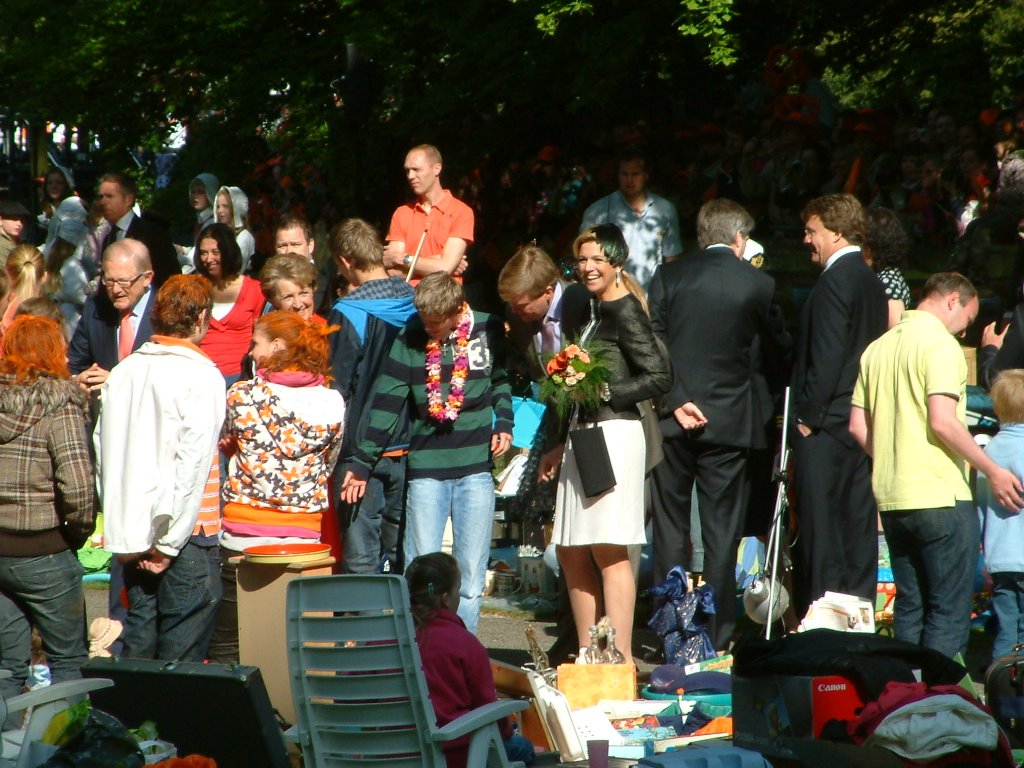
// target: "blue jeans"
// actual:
[[370, 527], [934, 553], [223, 648], [519, 749], [115, 605], [469, 501], [44, 592], [170, 615], [1008, 605]]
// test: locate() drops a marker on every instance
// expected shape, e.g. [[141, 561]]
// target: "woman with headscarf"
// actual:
[[232, 208], [68, 281]]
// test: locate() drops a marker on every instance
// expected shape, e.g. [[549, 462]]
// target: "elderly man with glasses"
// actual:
[[116, 320]]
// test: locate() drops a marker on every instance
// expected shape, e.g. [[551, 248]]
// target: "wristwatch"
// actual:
[[407, 259], [606, 393]]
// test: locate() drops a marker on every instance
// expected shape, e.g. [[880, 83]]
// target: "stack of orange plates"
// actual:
[[287, 553]]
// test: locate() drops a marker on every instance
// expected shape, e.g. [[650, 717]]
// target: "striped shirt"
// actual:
[[450, 450], [208, 520]]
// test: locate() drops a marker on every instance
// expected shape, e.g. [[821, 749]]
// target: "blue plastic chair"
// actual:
[[357, 682]]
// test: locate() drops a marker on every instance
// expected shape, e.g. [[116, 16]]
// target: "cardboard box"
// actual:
[[841, 613], [632, 740], [971, 356], [716, 664], [770, 711], [584, 685], [512, 681], [536, 576]]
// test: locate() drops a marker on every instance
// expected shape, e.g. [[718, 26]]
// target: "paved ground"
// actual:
[[504, 635], [502, 628], [95, 601]]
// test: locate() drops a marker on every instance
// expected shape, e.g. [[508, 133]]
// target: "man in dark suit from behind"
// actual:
[[117, 195], [710, 308], [836, 547]]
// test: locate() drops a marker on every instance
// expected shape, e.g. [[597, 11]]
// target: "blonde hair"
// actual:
[[438, 295], [286, 266], [25, 270], [1008, 396], [637, 290], [358, 242], [531, 271]]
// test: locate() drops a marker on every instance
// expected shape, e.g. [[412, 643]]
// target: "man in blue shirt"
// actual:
[[648, 221]]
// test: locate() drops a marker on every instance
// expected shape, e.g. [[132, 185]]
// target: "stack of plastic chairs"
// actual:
[[357, 682]]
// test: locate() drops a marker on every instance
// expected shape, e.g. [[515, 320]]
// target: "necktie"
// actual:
[[126, 338], [548, 338], [110, 239]]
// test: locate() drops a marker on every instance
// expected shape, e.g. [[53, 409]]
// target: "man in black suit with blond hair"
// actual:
[[541, 304]]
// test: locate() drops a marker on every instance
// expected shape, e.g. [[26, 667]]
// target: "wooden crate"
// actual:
[[512, 681], [586, 684]]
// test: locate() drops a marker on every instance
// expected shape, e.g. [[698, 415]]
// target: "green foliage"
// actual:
[[710, 20], [146, 732], [502, 77], [1002, 39], [553, 12], [707, 20], [912, 52]]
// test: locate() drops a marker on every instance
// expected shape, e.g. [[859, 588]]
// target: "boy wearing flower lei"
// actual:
[[448, 365]]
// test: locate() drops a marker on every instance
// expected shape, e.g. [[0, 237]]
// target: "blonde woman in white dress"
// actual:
[[593, 533]]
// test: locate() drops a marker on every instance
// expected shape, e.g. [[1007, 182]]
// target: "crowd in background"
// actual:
[[331, 353]]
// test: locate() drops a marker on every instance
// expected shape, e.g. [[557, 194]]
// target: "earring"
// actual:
[[618, 277]]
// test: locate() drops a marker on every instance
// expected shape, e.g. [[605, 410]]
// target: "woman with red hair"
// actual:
[[47, 503], [286, 424]]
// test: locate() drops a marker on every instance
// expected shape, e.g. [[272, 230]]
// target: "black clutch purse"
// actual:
[[592, 461]]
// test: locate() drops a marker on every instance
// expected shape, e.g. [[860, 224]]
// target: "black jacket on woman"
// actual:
[[639, 369]]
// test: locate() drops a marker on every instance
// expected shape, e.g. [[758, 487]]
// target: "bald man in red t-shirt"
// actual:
[[443, 223]]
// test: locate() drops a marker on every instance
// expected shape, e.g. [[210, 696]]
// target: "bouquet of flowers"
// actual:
[[575, 378]]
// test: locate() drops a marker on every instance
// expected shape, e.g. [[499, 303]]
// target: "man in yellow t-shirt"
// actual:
[[908, 413]]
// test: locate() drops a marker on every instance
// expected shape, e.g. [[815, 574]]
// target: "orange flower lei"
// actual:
[[448, 410]]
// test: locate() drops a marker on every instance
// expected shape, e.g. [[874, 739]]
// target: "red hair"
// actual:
[[305, 344], [34, 347], [179, 303]]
